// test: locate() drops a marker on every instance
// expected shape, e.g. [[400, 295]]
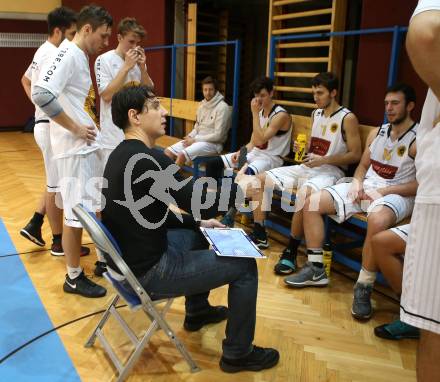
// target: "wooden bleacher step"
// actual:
[[313, 44], [296, 103], [301, 59], [317, 28], [287, 2], [296, 74], [297, 15], [293, 89]]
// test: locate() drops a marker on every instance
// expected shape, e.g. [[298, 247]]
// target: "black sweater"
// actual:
[[142, 244]]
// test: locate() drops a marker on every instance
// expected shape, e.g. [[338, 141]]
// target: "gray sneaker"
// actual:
[[309, 275], [361, 308]]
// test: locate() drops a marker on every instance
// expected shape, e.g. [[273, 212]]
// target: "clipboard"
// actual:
[[231, 242]]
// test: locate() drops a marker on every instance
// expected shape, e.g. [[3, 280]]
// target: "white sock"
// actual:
[[366, 277], [314, 255], [100, 255], [73, 273]]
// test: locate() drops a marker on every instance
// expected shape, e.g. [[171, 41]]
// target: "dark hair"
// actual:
[[94, 15], [261, 83], [326, 79], [210, 80], [407, 90], [130, 24], [61, 17], [131, 97]]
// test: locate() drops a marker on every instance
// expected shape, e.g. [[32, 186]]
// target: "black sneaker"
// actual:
[[258, 359], [32, 232], [100, 268], [287, 263], [83, 286], [397, 330], [260, 239], [212, 315], [242, 158], [57, 249]]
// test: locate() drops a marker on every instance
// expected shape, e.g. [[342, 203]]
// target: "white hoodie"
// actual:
[[213, 121]]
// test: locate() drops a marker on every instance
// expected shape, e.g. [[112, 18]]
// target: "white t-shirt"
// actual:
[[428, 136], [107, 66], [41, 57], [67, 77]]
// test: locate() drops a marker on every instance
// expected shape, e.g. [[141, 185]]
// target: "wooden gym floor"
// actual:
[[312, 328]]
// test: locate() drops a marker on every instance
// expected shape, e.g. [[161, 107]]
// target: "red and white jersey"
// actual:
[[391, 163], [279, 144], [327, 137]]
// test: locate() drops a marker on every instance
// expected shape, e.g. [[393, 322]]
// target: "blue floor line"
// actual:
[[23, 317]]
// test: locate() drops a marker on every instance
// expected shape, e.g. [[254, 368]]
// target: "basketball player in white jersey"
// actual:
[[420, 303], [210, 130], [334, 144], [384, 186], [64, 91], [388, 249], [115, 69], [270, 139], [123, 66], [61, 24]]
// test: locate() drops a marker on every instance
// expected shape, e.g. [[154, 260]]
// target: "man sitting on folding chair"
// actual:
[[165, 249]]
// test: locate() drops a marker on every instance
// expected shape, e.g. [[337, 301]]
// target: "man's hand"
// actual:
[[255, 105], [86, 132], [246, 181], [242, 174], [295, 146], [356, 192], [142, 59], [375, 194], [366, 198], [131, 58], [211, 223], [313, 160], [188, 141], [235, 156]]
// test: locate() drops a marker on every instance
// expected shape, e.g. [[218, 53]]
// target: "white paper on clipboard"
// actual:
[[231, 242]]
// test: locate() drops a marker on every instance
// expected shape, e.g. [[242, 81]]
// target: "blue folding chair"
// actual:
[[137, 299]]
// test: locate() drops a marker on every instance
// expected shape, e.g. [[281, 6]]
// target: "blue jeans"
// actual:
[[188, 270]]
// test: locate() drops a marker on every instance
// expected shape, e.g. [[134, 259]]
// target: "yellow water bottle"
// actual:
[[327, 258], [246, 216], [301, 141], [245, 219]]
